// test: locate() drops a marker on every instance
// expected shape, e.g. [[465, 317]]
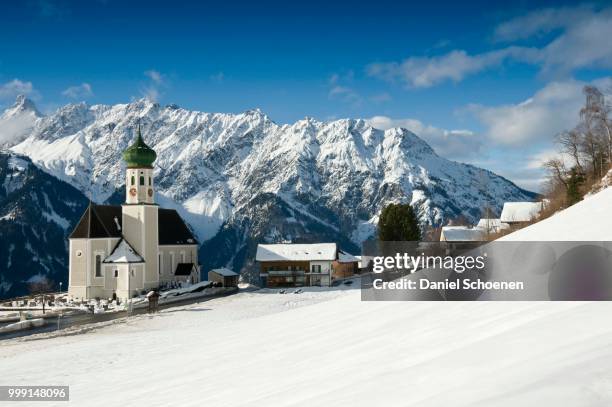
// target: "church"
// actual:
[[119, 251]]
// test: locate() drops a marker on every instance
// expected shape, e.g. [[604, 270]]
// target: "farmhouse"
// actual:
[[461, 234], [520, 213], [120, 251], [283, 265], [346, 265], [492, 225]]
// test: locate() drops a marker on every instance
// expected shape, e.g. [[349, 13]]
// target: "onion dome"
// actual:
[[139, 155]]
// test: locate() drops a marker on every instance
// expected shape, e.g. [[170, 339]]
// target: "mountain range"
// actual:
[[237, 179]]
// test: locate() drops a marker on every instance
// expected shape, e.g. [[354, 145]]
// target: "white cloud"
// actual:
[[539, 22], [157, 81], [11, 89], [155, 76], [345, 93], [453, 144], [381, 98], [581, 40], [537, 160], [81, 91], [15, 127], [423, 72], [342, 92], [551, 110]]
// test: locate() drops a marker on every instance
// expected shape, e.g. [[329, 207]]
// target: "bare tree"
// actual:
[[557, 170], [570, 142]]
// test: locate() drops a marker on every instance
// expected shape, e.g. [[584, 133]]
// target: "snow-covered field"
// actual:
[[327, 348]]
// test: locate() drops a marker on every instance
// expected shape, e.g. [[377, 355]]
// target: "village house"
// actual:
[[346, 265], [492, 225], [518, 214], [461, 234], [118, 251], [283, 265]]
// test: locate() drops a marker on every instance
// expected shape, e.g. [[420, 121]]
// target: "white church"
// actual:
[[119, 251]]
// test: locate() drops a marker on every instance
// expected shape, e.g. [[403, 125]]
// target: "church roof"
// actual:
[[183, 269], [99, 221], [104, 221], [124, 253], [172, 229]]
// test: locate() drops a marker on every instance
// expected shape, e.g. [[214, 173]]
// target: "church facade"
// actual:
[[118, 251]]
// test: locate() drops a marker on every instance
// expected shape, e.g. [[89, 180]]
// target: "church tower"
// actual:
[[139, 212], [139, 159]]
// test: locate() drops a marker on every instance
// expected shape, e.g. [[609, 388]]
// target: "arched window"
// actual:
[[142, 180], [133, 180]]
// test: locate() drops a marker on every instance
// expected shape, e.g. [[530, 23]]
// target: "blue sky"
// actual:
[[484, 84]]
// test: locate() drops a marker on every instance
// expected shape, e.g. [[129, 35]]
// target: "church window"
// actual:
[[149, 181], [133, 180], [142, 180], [98, 265], [116, 273]]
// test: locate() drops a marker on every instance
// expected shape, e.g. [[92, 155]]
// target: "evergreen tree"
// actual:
[[398, 222], [574, 184]]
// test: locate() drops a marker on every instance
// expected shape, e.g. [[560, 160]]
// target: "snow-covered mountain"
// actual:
[[37, 212], [242, 178], [17, 121]]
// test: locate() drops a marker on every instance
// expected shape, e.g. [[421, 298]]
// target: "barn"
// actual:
[[226, 277]]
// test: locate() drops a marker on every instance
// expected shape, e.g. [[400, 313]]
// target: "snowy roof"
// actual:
[[344, 257], [461, 234], [572, 224], [494, 225], [224, 272], [520, 211], [296, 252], [124, 253]]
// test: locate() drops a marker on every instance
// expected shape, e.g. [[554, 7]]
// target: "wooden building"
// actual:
[[226, 277], [296, 265], [345, 266]]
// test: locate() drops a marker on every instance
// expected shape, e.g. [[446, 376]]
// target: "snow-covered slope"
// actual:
[[330, 349], [242, 178], [587, 220], [327, 348]]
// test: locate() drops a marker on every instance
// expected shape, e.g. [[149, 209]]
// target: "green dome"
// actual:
[[139, 155]]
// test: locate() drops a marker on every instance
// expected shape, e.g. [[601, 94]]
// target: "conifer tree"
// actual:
[[398, 222]]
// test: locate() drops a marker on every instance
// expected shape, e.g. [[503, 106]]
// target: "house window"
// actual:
[[133, 180], [142, 180], [116, 273], [98, 265], [316, 268], [149, 181]]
